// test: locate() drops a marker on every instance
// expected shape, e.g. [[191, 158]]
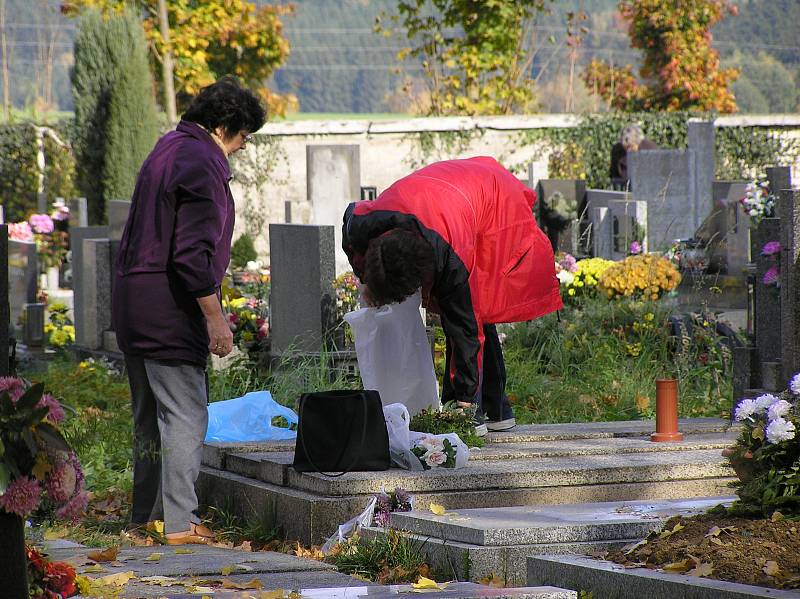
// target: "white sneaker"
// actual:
[[501, 425]]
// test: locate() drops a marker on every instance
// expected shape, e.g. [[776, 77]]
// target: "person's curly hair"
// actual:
[[396, 264], [225, 103]]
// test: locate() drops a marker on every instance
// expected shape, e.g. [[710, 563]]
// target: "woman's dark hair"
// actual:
[[226, 104], [396, 264]]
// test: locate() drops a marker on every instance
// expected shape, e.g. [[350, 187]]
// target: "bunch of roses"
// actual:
[[398, 500], [434, 452], [758, 201], [43, 473], [643, 276], [49, 580]]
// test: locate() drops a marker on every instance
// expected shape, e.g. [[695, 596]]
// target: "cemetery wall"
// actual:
[[389, 150]]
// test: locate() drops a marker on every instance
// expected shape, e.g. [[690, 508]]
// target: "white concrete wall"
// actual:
[[389, 151]]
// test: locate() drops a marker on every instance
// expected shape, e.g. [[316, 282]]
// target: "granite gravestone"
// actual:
[[23, 274], [629, 224], [78, 212], [333, 175], [117, 217], [78, 236], [600, 229], [5, 315], [302, 302], [95, 301], [727, 232]]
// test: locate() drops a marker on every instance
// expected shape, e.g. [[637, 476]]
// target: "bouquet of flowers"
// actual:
[[435, 452], [586, 277], [346, 289], [767, 454], [758, 201], [38, 469], [398, 500], [49, 580], [566, 267], [247, 319], [60, 328]]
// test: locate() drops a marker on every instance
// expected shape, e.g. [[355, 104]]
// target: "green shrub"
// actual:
[[450, 419], [243, 251]]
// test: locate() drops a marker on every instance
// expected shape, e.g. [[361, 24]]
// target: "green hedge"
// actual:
[[19, 172], [742, 152]]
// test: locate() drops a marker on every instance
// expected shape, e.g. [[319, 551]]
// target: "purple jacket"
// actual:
[[175, 248]]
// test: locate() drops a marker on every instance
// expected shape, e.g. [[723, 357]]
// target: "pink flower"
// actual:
[[22, 496], [61, 482], [771, 248], [635, 248], [771, 276], [435, 458], [74, 508], [20, 231], [56, 413], [569, 263], [13, 385], [41, 223]]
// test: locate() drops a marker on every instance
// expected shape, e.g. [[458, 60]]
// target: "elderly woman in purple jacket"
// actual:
[[166, 299]]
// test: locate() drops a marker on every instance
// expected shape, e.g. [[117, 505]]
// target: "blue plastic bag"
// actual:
[[249, 418]]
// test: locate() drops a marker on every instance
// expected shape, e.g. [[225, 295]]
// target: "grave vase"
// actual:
[[52, 278], [14, 565]]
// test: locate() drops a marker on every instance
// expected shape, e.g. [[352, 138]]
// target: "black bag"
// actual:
[[341, 431]]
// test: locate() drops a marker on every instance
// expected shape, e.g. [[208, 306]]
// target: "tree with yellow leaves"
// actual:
[[211, 38]]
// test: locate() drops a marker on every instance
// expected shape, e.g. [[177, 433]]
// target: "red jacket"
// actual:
[[493, 263]]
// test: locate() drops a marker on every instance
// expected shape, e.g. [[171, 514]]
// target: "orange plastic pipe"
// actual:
[[666, 411]]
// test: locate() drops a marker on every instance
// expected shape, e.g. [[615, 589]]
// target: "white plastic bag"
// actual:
[[349, 528], [394, 355], [401, 439]]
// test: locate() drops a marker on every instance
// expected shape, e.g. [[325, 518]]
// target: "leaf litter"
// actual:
[[763, 552]]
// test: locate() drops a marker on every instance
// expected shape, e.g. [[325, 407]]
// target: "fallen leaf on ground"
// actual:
[[636, 546], [276, 594], [94, 569], [312, 552], [437, 509], [771, 568], [714, 531], [426, 584], [226, 570], [153, 557], [244, 546], [701, 570], [718, 541], [198, 590], [156, 526], [493, 580], [682, 566], [182, 551], [119, 579], [162, 581], [243, 586], [104, 555], [668, 533]]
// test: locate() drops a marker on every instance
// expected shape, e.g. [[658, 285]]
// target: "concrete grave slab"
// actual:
[[614, 581], [540, 524]]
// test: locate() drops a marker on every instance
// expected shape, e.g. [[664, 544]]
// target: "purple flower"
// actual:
[[402, 500], [13, 385], [771, 276], [771, 248], [22, 496], [56, 413], [60, 213], [794, 384], [41, 223], [61, 482], [74, 508], [569, 263], [635, 248]]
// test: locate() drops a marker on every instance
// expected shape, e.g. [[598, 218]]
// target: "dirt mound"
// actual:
[[764, 552]]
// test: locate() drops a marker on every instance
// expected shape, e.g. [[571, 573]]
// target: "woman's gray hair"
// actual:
[[631, 136]]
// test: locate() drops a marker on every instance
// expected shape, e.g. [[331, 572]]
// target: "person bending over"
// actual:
[[463, 231]]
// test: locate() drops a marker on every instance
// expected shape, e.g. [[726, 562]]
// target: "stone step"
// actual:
[[614, 581], [476, 543]]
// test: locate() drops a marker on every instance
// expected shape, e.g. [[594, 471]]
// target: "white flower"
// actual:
[[780, 430], [794, 384], [565, 277], [435, 458], [763, 402], [254, 265], [779, 409], [430, 444], [745, 409]]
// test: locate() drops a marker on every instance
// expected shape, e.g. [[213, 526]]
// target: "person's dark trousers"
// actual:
[[492, 398], [170, 414]]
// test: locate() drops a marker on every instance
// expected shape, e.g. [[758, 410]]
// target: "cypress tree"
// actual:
[[115, 118]]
